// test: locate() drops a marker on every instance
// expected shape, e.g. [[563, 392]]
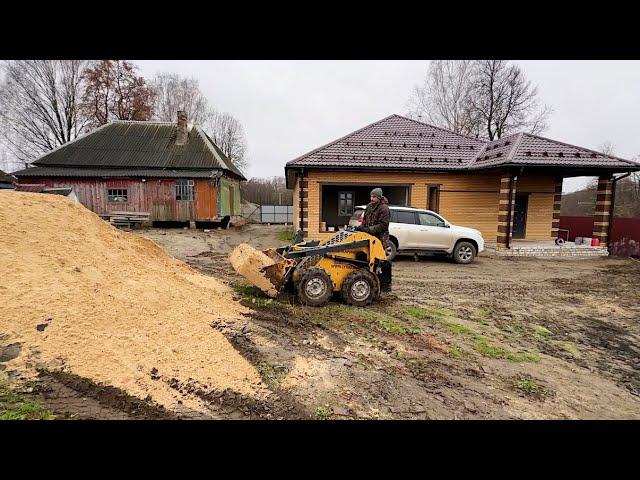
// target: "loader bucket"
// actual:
[[266, 270]]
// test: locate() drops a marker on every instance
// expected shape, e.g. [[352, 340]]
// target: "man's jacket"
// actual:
[[377, 218]]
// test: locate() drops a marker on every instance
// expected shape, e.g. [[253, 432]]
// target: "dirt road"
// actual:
[[500, 338]]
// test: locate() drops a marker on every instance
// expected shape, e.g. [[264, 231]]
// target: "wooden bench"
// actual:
[[127, 219]]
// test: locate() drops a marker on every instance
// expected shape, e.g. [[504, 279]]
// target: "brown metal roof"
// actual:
[[398, 143]]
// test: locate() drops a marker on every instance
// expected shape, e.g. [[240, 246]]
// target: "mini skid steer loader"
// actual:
[[351, 263]]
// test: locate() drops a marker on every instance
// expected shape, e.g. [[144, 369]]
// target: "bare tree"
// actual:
[[227, 133], [607, 148], [113, 90], [505, 100], [173, 93], [445, 97], [484, 98], [266, 191], [39, 106]]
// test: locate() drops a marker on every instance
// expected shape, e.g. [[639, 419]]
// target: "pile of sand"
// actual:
[[81, 296]]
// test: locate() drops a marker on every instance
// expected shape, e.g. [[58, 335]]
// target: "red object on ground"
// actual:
[[625, 233], [595, 242]]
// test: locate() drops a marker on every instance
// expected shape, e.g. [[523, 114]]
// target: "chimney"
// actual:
[[181, 138]]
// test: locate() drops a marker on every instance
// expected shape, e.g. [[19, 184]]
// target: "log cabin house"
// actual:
[[173, 171], [508, 188]]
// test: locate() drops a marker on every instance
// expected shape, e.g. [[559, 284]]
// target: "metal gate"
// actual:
[[276, 213]]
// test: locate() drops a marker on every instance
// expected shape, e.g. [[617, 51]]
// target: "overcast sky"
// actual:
[[290, 107]]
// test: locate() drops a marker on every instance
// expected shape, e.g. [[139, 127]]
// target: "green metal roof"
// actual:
[[6, 178], [142, 145]]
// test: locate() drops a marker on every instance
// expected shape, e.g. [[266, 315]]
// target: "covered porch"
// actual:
[[514, 210]]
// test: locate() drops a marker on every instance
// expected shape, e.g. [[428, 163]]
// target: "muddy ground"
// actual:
[[500, 339]]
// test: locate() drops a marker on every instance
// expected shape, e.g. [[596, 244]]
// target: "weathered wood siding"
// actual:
[[470, 199], [156, 196]]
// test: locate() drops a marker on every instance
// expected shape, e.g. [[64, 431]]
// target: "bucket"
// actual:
[[595, 242], [586, 241], [578, 240]]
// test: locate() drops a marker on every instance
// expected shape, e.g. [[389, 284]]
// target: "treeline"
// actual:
[[266, 191], [582, 202], [47, 103]]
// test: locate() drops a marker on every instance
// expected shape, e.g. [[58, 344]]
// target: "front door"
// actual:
[[520, 215]]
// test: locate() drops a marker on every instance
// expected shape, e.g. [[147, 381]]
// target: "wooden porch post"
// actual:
[[557, 200], [505, 210], [604, 209]]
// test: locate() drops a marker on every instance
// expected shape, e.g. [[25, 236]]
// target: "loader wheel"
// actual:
[[315, 287], [360, 288]]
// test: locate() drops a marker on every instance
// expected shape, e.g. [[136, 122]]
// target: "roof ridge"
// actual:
[[515, 147], [540, 137], [440, 128], [156, 122], [213, 151], [338, 140]]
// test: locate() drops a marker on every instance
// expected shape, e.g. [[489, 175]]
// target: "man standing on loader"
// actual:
[[377, 217]]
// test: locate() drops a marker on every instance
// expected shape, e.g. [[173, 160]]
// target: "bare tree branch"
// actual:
[[487, 98], [39, 106]]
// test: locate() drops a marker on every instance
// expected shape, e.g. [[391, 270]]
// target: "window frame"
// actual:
[[432, 214], [111, 197], [434, 208], [187, 189], [345, 213], [396, 217]]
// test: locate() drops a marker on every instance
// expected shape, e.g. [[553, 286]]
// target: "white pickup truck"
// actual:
[[415, 231]]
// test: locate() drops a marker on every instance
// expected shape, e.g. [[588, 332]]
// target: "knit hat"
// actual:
[[376, 192]]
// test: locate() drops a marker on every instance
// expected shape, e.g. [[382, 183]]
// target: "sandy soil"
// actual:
[[83, 298], [500, 338]]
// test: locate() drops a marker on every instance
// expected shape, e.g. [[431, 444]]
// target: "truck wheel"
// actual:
[[391, 250], [360, 288], [464, 252], [315, 287]]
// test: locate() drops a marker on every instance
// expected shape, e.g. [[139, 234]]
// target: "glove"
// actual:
[[361, 228]]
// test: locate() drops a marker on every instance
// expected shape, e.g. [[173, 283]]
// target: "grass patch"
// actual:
[[286, 235], [528, 386], [422, 313], [324, 412], [455, 352], [496, 352], [458, 329], [540, 330], [487, 311], [572, 348], [14, 407], [272, 374]]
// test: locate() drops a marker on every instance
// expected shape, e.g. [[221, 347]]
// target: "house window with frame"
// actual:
[[434, 198], [345, 204], [184, 190], [117, 195]]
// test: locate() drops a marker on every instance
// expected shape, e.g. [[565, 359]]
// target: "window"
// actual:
[[184, 190], [117, 195], [434, 198], [345, 204], [401, 216], [430, 220]]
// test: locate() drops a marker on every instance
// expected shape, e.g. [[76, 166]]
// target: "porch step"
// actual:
[[572, 251]]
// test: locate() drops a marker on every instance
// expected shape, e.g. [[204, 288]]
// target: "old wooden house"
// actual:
[[173, 171], [6, 180], [506, 188]]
